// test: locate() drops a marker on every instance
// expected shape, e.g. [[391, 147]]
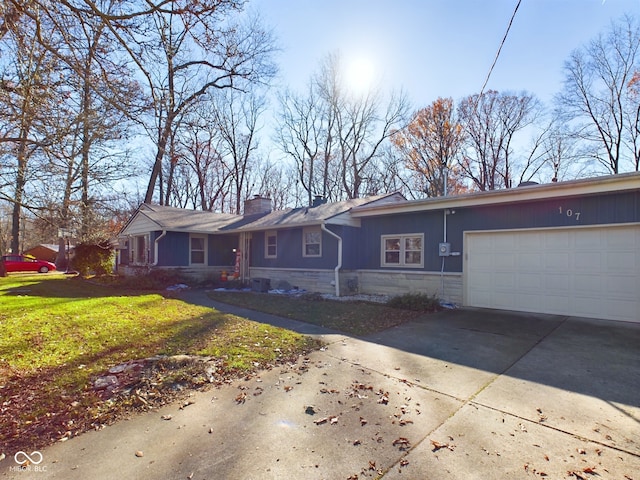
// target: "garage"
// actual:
[[580, 271]]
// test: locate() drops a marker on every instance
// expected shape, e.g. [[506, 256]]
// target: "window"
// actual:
[[139, 247], [402, 250], [198, 252], [271, 245], [312, 242]]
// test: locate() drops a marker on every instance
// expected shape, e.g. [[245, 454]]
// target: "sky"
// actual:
[[437, 48]]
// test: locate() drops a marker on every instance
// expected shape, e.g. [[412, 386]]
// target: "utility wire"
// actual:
[[495, 60]]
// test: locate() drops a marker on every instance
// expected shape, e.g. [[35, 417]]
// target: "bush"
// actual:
[[420, 302], [154, 280], [93, 258]]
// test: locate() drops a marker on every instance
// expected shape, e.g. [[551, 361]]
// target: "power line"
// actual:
[[495, 60]]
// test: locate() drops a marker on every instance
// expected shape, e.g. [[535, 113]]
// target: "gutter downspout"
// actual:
[[339, 265], [155, 248]]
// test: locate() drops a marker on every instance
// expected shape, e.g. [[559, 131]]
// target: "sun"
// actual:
[[360, 75]]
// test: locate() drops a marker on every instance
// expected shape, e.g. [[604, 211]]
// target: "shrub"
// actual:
[[93, 257], [153, 279], [420, 302]]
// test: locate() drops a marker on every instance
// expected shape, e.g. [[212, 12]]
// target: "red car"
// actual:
[[26, 263]]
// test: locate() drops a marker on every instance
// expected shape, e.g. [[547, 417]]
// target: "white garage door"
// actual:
[[587, 272]]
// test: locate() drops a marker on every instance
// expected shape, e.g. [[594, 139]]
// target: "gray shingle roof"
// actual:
[[198, 221], [171, 218], [303, 216]]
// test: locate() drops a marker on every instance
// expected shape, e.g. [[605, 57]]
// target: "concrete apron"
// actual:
[[460, 394]]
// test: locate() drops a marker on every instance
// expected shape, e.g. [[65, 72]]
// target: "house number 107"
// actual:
[[569, 213]]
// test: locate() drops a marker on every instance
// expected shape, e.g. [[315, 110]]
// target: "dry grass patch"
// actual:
[[352, 317]]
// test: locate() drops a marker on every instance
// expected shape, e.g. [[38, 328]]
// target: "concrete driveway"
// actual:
[[458, 394]]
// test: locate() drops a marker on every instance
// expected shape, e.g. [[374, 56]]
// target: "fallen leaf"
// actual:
[[320, 421], [363, 422], [591, 470], [404, 462], [372, 465], [357, 442], [402, 443], [333, 420], [437, 446], [310, 410], [241, 398], [578, 475], [166, 417], [288, 388], [581, 451]]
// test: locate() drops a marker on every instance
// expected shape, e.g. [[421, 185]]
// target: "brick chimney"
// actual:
[[256, 205]]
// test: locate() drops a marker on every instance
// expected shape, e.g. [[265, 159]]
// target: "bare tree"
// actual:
[[336, 136], [236, 116], [201, 152], [363, 123], [26, 94], [597, 98], [276, 181], [491, 121], [87, 95], [200, 53], [304, 134]]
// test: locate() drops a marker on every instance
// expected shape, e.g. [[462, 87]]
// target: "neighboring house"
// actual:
[[45, 251], [567, 248]]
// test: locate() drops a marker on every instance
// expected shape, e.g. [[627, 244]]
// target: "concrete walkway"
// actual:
[[455, 395]]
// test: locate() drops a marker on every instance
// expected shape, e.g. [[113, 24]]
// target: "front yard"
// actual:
[[63, 341], [59, 335]]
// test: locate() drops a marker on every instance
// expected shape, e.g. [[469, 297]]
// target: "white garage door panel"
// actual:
[[590, 272]]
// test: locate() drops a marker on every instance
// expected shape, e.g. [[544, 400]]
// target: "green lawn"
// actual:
[[57, 334]]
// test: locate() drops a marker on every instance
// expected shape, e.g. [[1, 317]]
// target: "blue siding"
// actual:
[[289, 254], [566, 212], [430, 224], [173, 249], [351, 246]]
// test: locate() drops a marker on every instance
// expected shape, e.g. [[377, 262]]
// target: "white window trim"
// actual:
[[270, 233], [304, 244], [204, 263], [401, 263], [137, 257]]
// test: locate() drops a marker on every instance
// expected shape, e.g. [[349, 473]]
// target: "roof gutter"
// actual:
[[339, 265], [155, 248]]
